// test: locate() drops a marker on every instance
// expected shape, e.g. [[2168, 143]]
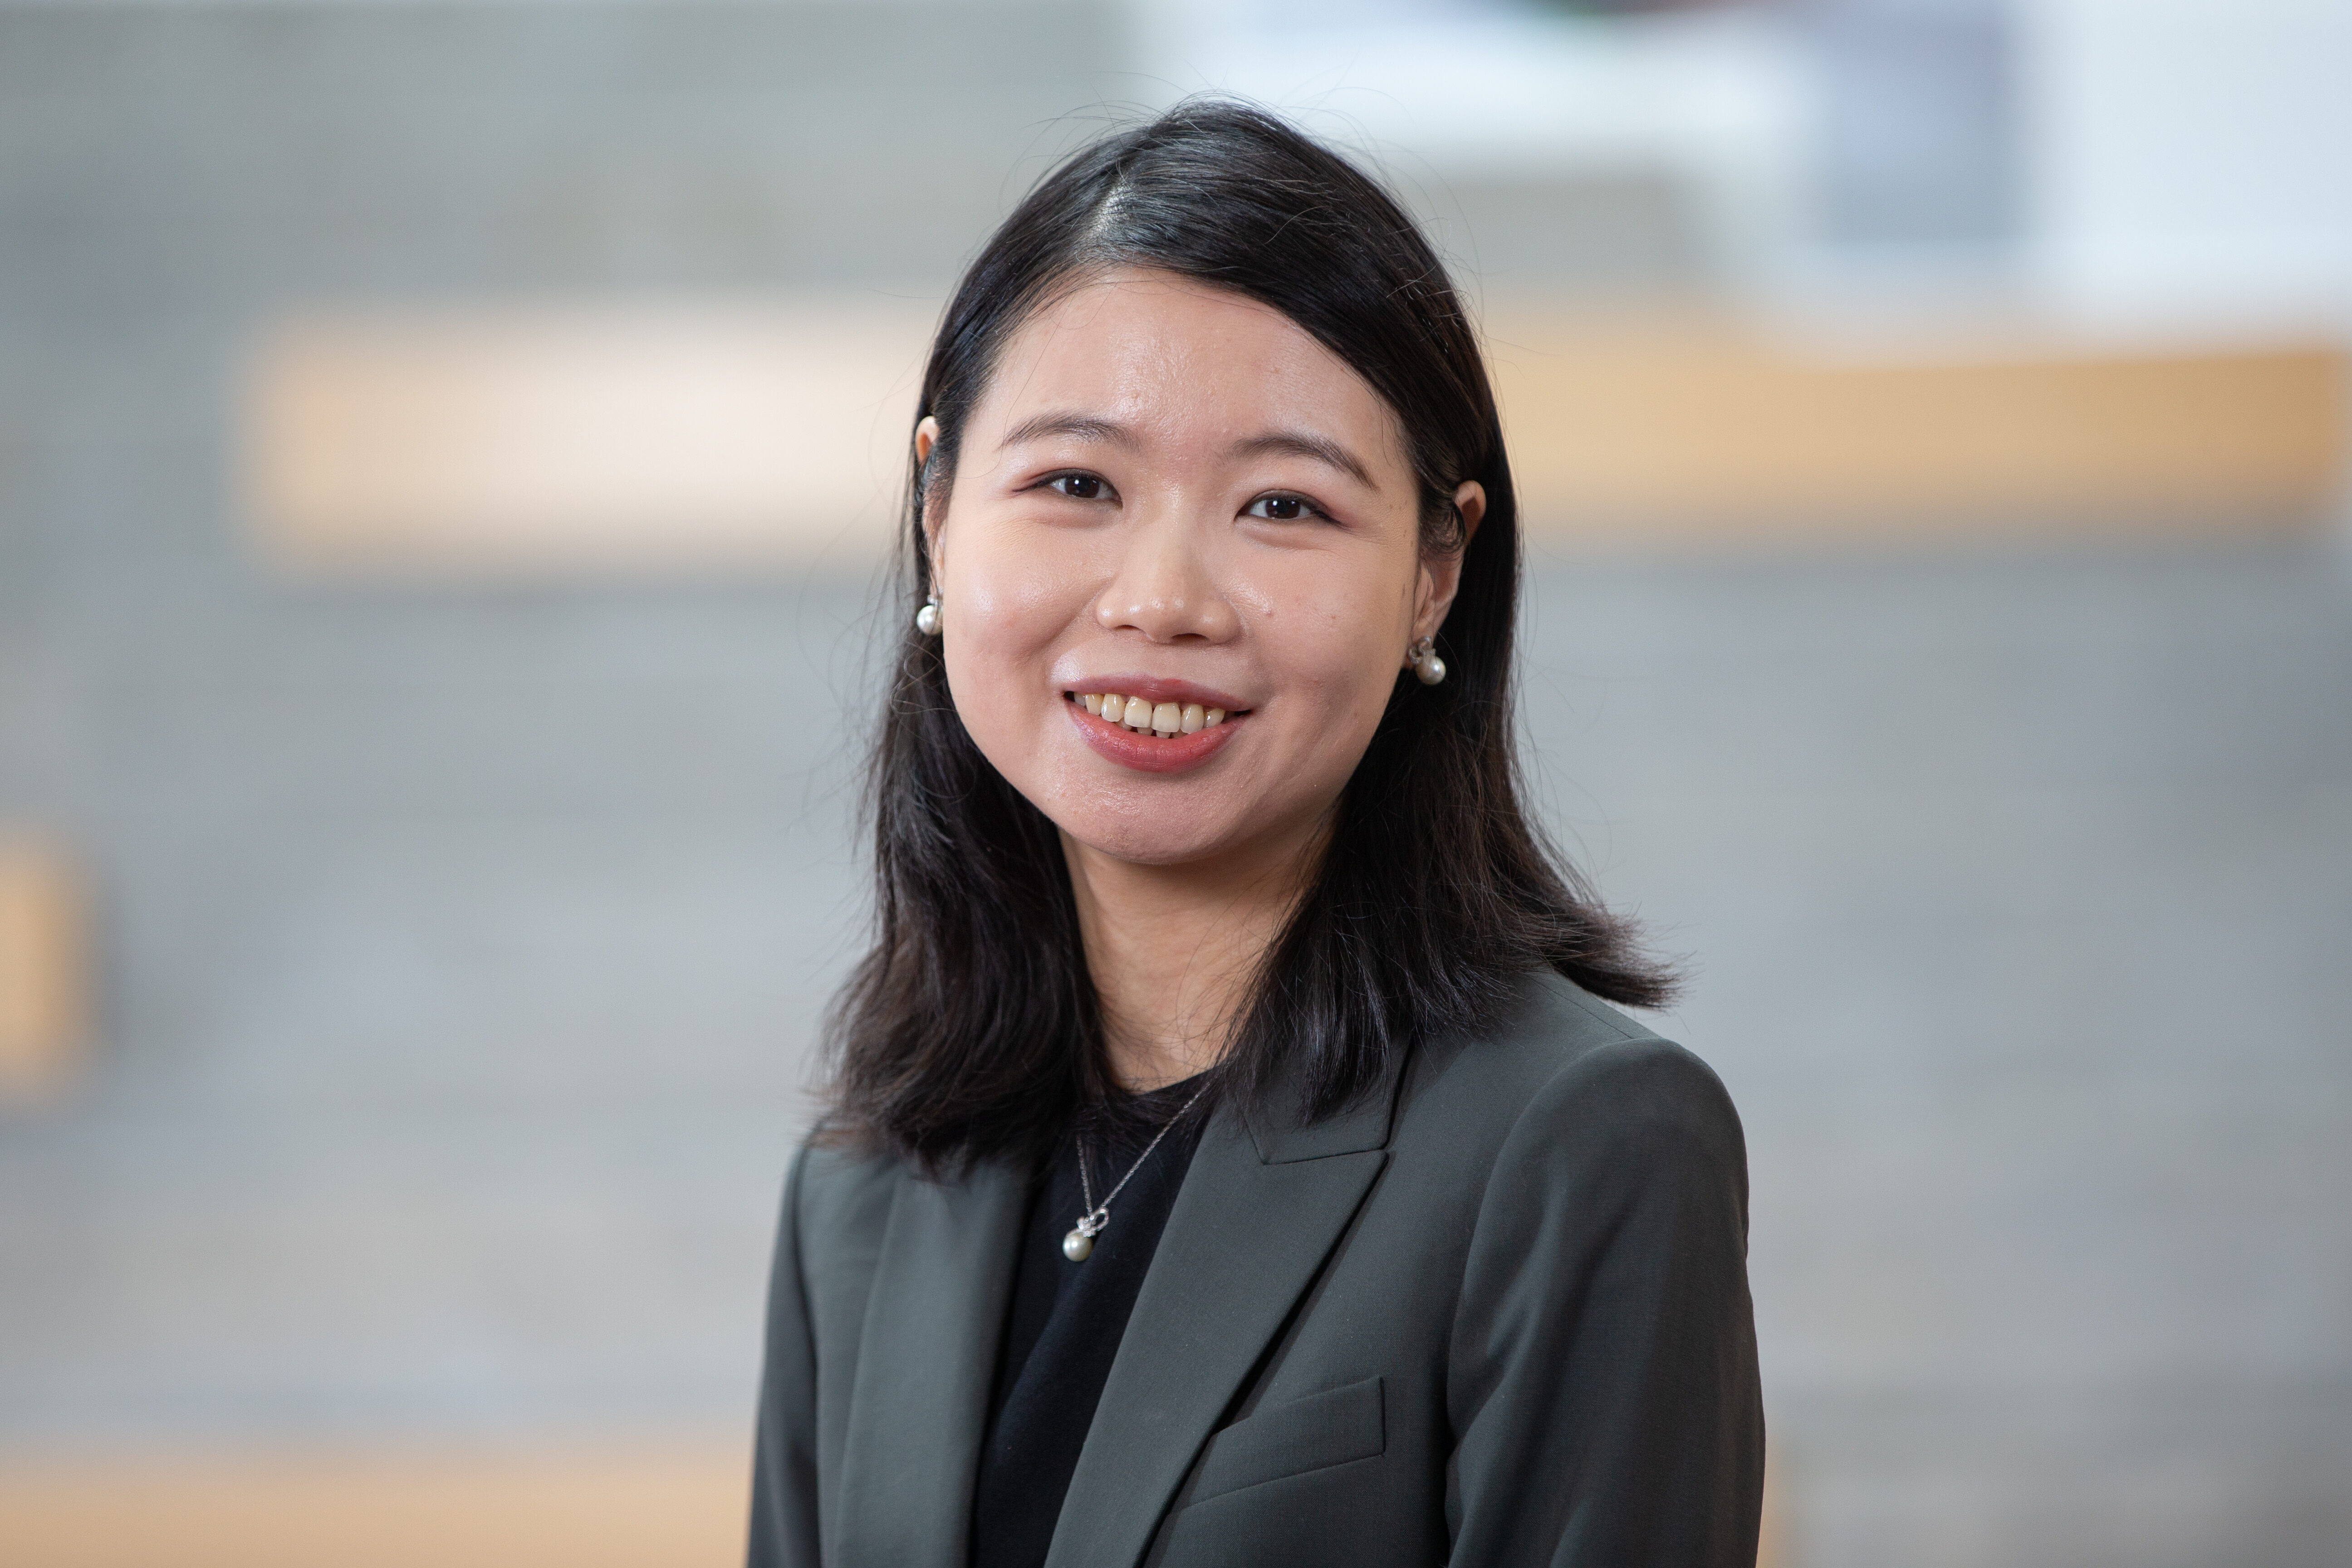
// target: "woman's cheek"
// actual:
[[1333, 637], [981, 667], [1337, 688], [1004, 609]]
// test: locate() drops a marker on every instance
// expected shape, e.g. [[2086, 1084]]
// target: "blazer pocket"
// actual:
[[1333, 1427]]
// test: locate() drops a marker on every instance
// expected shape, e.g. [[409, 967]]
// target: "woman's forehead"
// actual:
[[1171, 360]]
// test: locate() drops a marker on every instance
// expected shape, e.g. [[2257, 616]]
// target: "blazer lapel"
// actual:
[[924, 1363], [1252, 1224]]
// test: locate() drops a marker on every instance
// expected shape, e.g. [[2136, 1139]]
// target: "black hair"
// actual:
[[972, 1029]]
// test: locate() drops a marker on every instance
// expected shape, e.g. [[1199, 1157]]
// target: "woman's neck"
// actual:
[[1175, 949]]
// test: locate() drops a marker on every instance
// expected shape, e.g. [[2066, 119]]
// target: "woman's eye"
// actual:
[[1281, 508], [1077, 486]]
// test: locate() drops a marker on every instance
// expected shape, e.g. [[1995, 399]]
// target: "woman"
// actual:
[[1233, 1158]]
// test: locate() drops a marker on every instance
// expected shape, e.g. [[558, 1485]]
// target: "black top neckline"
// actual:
[[1065, 1319], [1132, 1118]]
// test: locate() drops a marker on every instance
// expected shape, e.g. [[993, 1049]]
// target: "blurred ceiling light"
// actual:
[[562, 438], [561, 441], [2189, 157], [42, 973], [1718, 102], [1627, 430]]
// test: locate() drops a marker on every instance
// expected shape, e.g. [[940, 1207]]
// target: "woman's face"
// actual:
[[1173, 494]]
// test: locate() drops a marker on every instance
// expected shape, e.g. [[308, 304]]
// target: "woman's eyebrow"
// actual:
[[1307, 444], [1084, 427]]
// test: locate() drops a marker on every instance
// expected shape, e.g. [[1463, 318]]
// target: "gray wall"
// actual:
[[463, 942], [2021, 893]]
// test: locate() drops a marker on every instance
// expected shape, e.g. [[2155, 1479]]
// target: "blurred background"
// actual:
[[445, 453]]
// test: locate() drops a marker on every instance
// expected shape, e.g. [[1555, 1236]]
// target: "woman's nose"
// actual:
[[1163, 588]]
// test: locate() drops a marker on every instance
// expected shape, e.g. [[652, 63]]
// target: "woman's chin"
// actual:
[[1153, 849], [1161, 838]]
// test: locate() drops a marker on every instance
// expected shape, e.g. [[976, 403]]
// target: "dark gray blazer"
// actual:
[[1497, 1315]]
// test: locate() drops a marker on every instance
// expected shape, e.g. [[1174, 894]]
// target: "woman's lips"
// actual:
[[1148, 751]]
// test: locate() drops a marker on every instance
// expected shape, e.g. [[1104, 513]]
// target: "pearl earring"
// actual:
[[927, 619], [1425, 662]]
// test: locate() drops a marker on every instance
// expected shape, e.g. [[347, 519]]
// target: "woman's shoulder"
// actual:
[[1566, 1127], [1562, 1069]]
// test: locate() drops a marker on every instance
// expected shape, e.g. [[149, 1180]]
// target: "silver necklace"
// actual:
[[1079, 1244]]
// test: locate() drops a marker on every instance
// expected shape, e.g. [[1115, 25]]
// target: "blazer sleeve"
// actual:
[[783, 1465], [1603, 1381]]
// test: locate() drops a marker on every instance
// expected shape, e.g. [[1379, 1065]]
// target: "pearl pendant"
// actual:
[[927, 620], [1076, 1246]]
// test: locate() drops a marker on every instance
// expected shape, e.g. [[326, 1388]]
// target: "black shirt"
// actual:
[[1066, 1318]]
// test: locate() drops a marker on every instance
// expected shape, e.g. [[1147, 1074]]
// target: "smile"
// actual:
[[1157, 728], [1148, 718]]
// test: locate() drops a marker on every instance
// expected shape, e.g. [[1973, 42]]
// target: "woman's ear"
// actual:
[[1470, 501], [926, 439], [1440, 575]]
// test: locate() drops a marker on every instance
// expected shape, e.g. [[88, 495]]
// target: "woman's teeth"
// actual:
[[1150, 719]]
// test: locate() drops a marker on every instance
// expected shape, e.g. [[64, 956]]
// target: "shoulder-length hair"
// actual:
[[971, 1028]]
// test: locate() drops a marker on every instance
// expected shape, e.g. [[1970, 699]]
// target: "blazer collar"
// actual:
[[1260, 1210], [1361, 1125]]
